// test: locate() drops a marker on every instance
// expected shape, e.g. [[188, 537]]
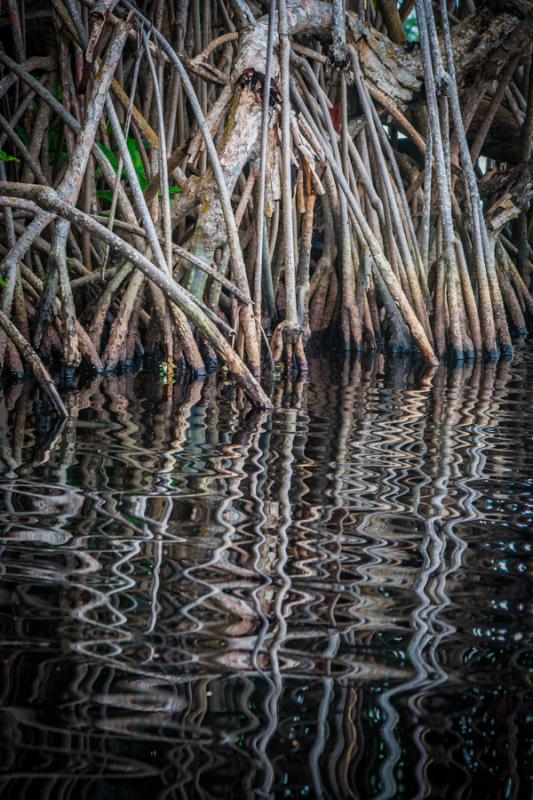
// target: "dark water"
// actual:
[[330, 601]]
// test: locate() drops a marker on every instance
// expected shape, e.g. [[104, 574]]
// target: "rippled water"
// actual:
[[329, 601]]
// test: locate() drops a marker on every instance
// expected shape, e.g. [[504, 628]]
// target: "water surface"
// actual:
[[329, 601]]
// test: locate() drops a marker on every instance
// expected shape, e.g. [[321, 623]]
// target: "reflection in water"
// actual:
[[329, 601]]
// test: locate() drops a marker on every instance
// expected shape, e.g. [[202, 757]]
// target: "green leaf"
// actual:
[[138, 164], [6, 157], [105, 194], [410, 27], [112, 158], [135, 155], [171, 191], [2, 282]]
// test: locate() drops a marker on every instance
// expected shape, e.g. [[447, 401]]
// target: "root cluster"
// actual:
[[158, 201]]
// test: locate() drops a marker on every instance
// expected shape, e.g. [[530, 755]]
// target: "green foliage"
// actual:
[[5, 157], [112, 155], [172, 190], [137, 163], [2, 282], [105, 194], [410, 27]]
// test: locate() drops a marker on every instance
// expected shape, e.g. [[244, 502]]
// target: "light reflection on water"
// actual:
[[328, 601]]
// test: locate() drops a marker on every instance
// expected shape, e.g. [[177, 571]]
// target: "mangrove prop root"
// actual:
[[184, 218]]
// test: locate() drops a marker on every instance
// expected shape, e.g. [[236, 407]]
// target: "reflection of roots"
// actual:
[[288, 348]]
